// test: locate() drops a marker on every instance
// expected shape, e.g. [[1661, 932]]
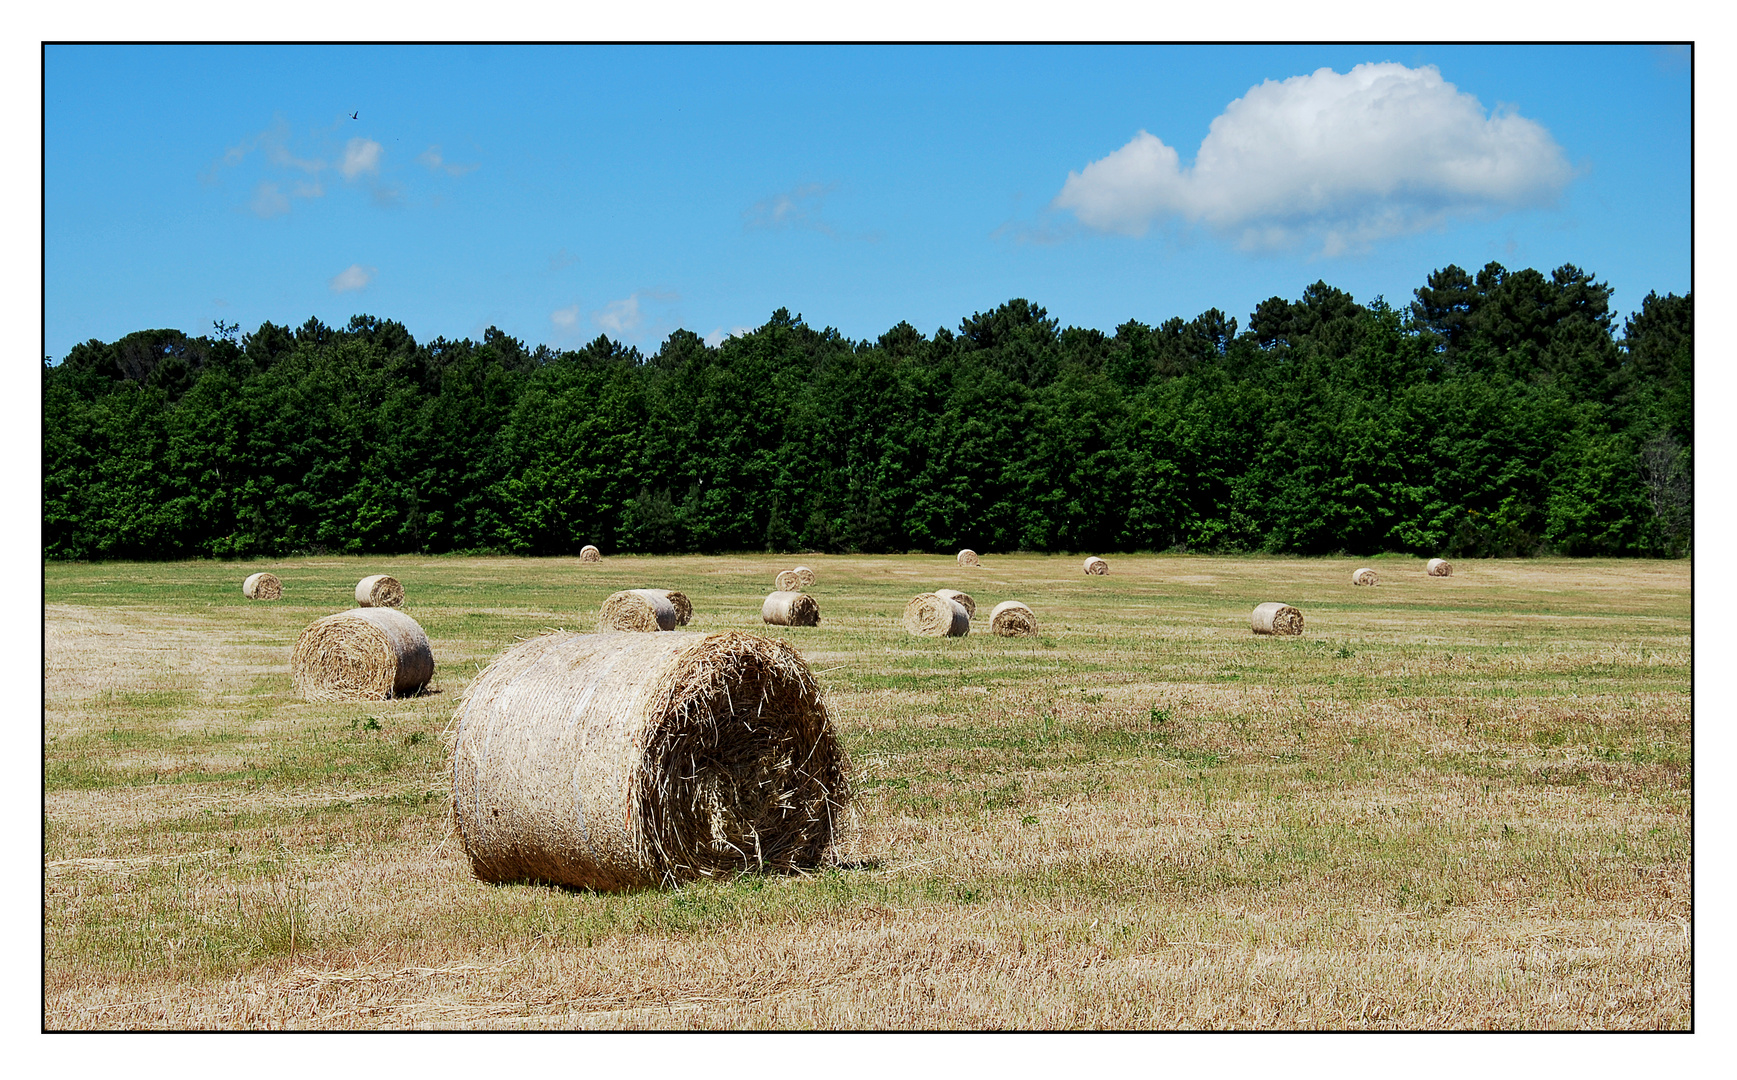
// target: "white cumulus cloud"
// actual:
[[1347, 159], [355, 278], [620, 316], [360, 156], [432, 158], [798, 208], [566, 318], [719, 335], [268, 201]]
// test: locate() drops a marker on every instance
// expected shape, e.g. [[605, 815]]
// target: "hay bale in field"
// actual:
[[1010, 618], [1363, 575], [684, 608], [787, 607], [1440, 568], [1097, 566], [787, 581], [379, 591], [804, 577], [932, 615], [967, 557], [610, 761], [1282, 619], [368, 654], [962, 599], [589, 553], [262, 586], [644, 610]]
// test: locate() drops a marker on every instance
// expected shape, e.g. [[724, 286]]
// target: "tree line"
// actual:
[[1500, 413]]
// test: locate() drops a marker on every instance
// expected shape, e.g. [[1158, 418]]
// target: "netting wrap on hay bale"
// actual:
[[610, 761], [932, 615], [379, 591], [363, 654], [787, 581], [644, 610], [804, 576], [1440, 568], [1010, 618], [262, 586], [1097, 566], [962, 599], [967, 557], [1282, 619], [588, 553], [1363, 575], [790, 608], [684, 607]]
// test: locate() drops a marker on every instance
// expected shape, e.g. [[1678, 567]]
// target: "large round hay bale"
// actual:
[[932, 615], [1010, 618], [589, 553], [804, 576], [962, 599], [1096, 566], [1364, 575], [643, 610], [363, 654], [787, 581], [786, 607], [1440, 568], [684, 607], [609, 761], [1282, 619], [379, 591], [262, 586], [967, 557]]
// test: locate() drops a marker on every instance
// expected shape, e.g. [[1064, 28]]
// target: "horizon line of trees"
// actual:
[[1501, 413]]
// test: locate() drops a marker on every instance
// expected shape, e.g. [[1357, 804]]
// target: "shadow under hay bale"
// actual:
[[1097, 567], [1364, 575], [365, 654], [588, 553], [1273, 618], [1010, 618], [379, 591], [1439, 568], [639, 610], [932, 615], [967, 557], [788, 608], [684, 608], [262, 586], [962, 599], [612, 761]]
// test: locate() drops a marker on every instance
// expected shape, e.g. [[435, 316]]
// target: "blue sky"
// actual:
[[563, 192]]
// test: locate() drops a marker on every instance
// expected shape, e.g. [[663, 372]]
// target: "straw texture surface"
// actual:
[[1440, 568], [787, 581], [1363, 575], [379, 591], [684, 607], [962, 599], [1276, 618], [644, 610], [611, 761], [1097, 566], [366, 654], [932, 615], [1010, 618], [789, 608], [262, 586], [804, 576], [967, 557], [588, 553]]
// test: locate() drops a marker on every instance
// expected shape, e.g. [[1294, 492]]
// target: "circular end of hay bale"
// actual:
[[804, 576], [967, 557], [684, 608], [962, 599], [931, 615], [787, 581], [589, 553], [1440, 568], [612, 761], [1364, 575], [786, 607], [1275, 618], [365, 654], [637, 610], [1010, 618], [1097, 566], [379, 591], [262, 586]]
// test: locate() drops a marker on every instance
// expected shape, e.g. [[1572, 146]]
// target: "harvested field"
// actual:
[[1456, 803]]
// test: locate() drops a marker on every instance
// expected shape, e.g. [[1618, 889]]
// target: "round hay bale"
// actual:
[[684, 608], [787, 581], [365, 654], [379, 591], [786, 607], [1363, 575], [1097, 567], [932, 615], [610, 761], [1440, 568], [804, 577], [589, 553], [644, 610], [1282, 619], [962, 599], [262, 586], [967, 557], [1010, 618]]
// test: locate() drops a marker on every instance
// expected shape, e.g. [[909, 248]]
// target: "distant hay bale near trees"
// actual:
[[804, 577], [786, 607], [379, 591], [262, 586], [787, 581], [931, 615], [962, 599], [612, 761], [1097, 566], [589, 553], [1010, 618], [1440, 568], [363, 654], [1274, 618], [1364, 575], [640, 610], [967, 557]]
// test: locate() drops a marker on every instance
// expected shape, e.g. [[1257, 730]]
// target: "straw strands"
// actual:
[[262, 586], [787, 581], [1010, 618], [967, 557], [379, 591], [610, 761], [1440, 568], [1282, 619], [1363, 575], [589, 553], [1096, 566], [684, 607], [368, 654], [644, 610], [804, 577], [786, 607], [932, 615], [962, 599]]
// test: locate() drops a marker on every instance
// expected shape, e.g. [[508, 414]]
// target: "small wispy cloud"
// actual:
[[361, 156], [268, 201], [719, 335], [355, 278], [387, 196], [432, 158], [566, 318], [798, 208], [628, 315]]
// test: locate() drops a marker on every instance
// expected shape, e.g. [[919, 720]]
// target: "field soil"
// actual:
[[1452, 803]]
